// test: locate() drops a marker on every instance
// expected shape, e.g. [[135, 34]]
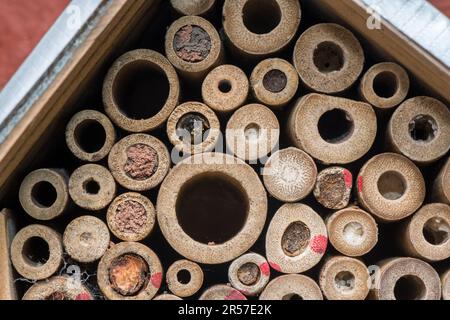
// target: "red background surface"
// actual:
[[24, 22]]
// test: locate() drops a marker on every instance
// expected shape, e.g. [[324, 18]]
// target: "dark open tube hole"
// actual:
[[275, 81], [292, 296], [225, 86], [328, 57], [193, 128], [391, 185], [91, 186], [184, 276], [261, 16], [335, 126], [436, 231], [409, 288], [385, 84], [44, 194], [141, 90], [423, 128], [36, 251], [212, 208], [90, 136]]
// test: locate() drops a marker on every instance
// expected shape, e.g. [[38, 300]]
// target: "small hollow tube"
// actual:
[[140, 90], [37, 262], [131, 217], [193, 7], [344, 278], [426, 234], [249, 273], [86, 239], [92, 187], [406, 279], [194, 47], [205, 183], [352, 231], [328, 58], [58, 288], [166, 296], [44, 193], [292, 287], [252, 132], [129, 271], [193, 128], [333, 187], [222, 292], [332, 130], [441, 185], [139, 162], [90, 135], [184, 287], [225, 88], [385, 85], [390, 186], [259, 28], [420, 130], [274, 82], [289, 174], [296, 239]]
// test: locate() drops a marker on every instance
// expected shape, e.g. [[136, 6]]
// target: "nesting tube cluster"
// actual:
[[246, 160]]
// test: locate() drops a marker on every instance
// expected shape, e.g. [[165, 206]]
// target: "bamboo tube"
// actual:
[[193, 46], [193, 128], [58, 288], [445, 281], [289, 174], [7, 231], [86, 239], [166, 296], [333, 187], [344, 278], [352, 231], [385, 85], [249, 274], [390, 187], [441, 186], [140, 90], [292, 287], [131, 217], [420, 129], [332, 130], [426, 234], [37, 252], [205, 183], [225, 88], [274, 82], [129, 271], [222, 292], [328, 58], [92, 187], [258, 28], [296, 239], [90, 135], [406, 279], [184, 278], [139, 162], [252, 132], [44, 193], [192, 7]]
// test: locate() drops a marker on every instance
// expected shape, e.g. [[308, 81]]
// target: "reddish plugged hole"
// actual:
[[142, 162], [128, 274], [130, 217], [192, 43]]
